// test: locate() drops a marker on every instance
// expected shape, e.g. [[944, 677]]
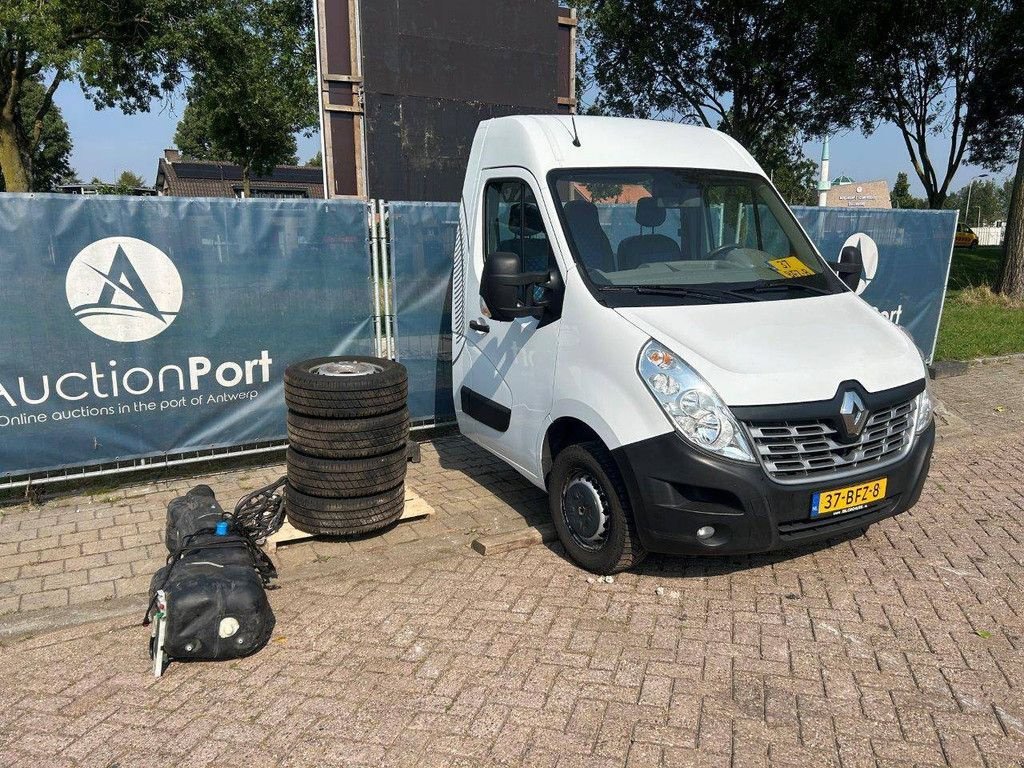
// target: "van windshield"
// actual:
[[701, 235]]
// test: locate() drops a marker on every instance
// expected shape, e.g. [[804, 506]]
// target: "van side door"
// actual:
[[504, 376]]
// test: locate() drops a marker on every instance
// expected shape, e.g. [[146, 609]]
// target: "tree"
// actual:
[[901, 196], [316, 161], [254, 89], [51, 156], [919, 63], [767, 72], [126, 184], [988, 202], [794, 175], [1011, 278], [131, 180], [998, 93], [122, 53]]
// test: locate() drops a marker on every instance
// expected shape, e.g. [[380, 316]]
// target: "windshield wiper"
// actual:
[[789, 285], [684, 291]]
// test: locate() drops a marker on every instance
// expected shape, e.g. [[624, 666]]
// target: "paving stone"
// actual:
[[901, 647]]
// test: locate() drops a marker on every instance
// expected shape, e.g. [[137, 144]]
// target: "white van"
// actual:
[[642, 328]]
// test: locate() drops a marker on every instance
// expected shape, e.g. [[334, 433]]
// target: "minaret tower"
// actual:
[[824, 185]]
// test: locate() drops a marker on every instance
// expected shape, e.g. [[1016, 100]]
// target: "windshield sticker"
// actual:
[[791, 266]]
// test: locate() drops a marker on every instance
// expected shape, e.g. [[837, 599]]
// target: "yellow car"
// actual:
[[965, 237]]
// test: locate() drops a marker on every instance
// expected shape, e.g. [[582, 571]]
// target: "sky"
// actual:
[[107, 142]]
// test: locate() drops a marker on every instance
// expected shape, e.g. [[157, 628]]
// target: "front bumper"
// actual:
[[676, 489]]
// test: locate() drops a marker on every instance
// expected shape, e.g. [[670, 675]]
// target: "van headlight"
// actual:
[[693, 407], [924, 407]]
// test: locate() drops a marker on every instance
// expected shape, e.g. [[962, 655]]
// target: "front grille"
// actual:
[[795, 451]]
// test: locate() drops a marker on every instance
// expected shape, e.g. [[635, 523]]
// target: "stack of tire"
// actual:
[[348, 428]]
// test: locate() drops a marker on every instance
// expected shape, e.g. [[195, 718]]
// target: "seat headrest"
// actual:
[[525, 218], [582, 212], [649, 213]]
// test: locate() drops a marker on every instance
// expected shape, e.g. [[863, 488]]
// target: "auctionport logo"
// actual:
[[123, 289], [869, 253]]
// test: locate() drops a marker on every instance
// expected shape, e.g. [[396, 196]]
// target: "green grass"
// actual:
[[977, 267], [979, 330], [976, 323]]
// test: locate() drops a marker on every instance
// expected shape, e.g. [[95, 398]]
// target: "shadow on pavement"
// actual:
[[457, 454]]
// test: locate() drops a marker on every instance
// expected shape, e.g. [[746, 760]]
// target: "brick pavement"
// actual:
[[901, 647], [106, 544]]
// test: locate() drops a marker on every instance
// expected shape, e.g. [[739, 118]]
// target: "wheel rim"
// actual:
[[346, 368], [585, 511]]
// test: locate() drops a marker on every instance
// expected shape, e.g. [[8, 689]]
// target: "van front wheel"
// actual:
[[591, 511]]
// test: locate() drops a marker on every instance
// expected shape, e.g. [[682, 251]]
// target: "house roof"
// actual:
[[200, 178]]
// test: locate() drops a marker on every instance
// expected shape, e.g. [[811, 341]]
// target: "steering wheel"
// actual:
[[723, 250]]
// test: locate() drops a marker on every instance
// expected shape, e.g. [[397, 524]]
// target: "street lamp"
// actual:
[[970, 189]]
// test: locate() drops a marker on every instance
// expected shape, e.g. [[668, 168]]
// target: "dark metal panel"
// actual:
[[433, 69], [470, 71], [565, 61], [337, 37], [430, 71], [417, 147], [501, 51], [339, 93], [342, 128]]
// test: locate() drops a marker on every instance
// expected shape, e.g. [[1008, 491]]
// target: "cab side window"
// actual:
[[513, 224]]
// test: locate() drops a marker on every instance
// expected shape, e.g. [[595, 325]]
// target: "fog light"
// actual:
[[705, 532]]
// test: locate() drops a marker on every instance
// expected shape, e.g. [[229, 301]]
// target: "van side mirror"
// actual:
[[501, 283], [850, 266]]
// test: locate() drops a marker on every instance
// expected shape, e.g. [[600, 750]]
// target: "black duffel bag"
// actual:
[[209, 602], [187, 515]]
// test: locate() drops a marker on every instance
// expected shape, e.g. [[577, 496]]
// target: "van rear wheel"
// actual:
[[591, 511]]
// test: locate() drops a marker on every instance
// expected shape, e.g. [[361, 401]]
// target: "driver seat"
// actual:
[[646, 249]]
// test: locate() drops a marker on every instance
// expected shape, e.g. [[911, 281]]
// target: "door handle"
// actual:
[[479, 325]]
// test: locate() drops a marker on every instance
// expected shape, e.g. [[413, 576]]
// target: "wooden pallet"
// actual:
[[415, 508]]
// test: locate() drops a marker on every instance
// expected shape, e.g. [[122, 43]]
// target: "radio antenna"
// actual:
[[575, 133]]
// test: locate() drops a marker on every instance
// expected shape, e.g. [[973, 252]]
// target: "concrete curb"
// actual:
[[506, 542]]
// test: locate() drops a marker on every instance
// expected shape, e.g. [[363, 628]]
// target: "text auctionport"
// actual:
[[105, 381]]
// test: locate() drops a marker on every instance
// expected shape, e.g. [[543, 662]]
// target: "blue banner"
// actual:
[[906, 260], [139, 327], [422, 244]]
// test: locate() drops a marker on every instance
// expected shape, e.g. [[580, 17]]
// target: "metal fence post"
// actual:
[[387, 266], [375, 275]]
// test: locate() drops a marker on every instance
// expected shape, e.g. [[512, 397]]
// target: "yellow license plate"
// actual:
[[791, 266], [847, 499]]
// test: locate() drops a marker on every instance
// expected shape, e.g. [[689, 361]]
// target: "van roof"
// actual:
[[544, 142]]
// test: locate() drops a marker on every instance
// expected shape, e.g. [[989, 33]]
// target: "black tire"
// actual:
[[588, 468], [343, 517], [327, 406], [348, 438], [340, 397], [346, 478]]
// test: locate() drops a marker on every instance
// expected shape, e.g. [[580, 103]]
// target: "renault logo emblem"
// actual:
[[854, 414]]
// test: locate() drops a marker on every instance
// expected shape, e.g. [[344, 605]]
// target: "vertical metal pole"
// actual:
[[387, 264], [325, 157], [375, 270]]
